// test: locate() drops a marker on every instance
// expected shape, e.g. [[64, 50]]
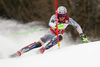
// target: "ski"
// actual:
[[17, 54]]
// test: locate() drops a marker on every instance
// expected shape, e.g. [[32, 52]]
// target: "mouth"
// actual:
[[61, 18]]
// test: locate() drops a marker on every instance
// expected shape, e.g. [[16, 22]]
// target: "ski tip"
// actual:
[[14, 55]]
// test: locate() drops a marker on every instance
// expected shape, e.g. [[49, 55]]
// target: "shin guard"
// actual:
[[30, 47]]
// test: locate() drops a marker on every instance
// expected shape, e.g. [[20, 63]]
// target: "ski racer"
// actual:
[[63, 22]]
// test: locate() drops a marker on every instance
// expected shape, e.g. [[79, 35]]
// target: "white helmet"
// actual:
[[62, 10]]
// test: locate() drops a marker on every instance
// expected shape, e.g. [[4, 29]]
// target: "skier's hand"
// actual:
[[60, 26], [83, 37]]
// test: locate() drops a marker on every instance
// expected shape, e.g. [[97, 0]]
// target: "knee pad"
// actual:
[[60, 37], [38, 44]]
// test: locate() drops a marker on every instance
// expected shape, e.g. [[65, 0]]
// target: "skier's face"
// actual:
[[61, 18]]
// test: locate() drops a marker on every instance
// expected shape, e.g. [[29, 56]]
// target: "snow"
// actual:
[[82, 55], [69, 54]]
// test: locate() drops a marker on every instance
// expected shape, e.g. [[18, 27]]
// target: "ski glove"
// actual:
[[83, 37], [60, 26]]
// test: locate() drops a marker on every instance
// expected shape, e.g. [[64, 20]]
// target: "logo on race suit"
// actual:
[[66, 21]]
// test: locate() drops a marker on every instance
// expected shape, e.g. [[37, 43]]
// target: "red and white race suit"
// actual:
[[66, 22]]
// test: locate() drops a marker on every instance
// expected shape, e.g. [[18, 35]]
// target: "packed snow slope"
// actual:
[[82, 55], [69, 55]]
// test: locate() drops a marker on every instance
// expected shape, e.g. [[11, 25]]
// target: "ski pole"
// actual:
[[28, 32], [88, 41], [32, 31]]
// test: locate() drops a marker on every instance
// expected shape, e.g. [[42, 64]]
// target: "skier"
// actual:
[[63, 22]]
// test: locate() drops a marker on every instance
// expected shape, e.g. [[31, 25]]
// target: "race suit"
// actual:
[[52, 32], [66, 22]]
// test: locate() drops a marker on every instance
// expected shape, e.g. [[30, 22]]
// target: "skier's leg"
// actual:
[[42, 40], [26, 49], [29, 47], [51, 43]]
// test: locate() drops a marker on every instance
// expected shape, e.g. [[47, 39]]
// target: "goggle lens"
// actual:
[[61, 15]]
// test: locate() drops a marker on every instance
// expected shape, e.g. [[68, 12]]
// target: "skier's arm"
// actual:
[[78, 28], [53, 25], [52, 22], [76, 25]]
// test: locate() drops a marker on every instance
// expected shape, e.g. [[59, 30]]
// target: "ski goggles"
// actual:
[[61, 15]]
